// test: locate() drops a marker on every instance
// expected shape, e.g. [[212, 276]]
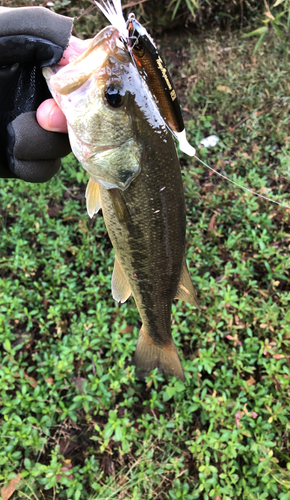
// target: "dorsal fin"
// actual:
[[185, 290]]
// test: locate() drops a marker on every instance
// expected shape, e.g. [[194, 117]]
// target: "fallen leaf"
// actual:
[[279, 356], [82, 225], [224, 88], [31, 380], [65, 469], [268, 14], [79, 382], [68, 443], [122, 480], [7, 492], [212, 224], [108, 466], [149, 383], [238, 416], [128, 329], [251, 381], [264, 190]]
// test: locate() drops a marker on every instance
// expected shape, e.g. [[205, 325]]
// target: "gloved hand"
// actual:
[[30, 38]]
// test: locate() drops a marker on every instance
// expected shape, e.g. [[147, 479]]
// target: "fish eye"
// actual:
[[114, 96]]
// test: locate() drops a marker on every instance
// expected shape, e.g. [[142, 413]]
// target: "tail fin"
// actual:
[[150, 355]]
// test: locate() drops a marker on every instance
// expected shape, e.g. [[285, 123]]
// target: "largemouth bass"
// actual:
[[119, 136]]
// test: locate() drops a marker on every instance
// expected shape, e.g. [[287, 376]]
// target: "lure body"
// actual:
[[147, 56]]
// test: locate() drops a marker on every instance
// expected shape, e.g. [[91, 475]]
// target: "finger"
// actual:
[[50, 117]]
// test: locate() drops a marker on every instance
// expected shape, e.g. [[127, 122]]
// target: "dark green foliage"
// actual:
[[162, 16], [276, 19], [200, 14]]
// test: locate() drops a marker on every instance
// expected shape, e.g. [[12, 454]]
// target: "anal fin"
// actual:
[[150, 355], [93, 198], [185, 290], [121, 290]]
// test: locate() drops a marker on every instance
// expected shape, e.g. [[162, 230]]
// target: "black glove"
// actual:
[[30, 38]]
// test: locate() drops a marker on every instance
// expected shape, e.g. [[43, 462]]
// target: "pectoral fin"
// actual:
[[93, 198], [185, 290], [120, 287], [120, 207]]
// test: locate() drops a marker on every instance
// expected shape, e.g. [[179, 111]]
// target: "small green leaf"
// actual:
[[118, 433], [259, 31], [170, 391], [277, 30], [279, 15], [27, 463], [7, 345], [259, 42]]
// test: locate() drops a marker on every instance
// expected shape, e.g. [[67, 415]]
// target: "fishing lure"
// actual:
[[146, 55]]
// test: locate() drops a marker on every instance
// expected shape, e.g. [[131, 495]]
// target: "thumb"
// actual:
[[50, 117]]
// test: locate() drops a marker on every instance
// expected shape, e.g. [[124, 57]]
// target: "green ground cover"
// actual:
[[75, 423]]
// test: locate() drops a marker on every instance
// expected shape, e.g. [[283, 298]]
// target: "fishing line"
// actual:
[[240, 186], [186, 149]]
